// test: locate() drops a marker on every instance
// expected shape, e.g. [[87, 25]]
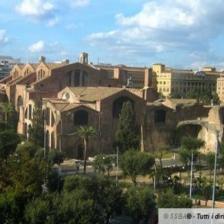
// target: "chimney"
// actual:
[[83, 58], [42, 59]]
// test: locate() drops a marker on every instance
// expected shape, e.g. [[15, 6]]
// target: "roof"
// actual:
[[179, 102], [21, 66], [92, 94], [62, 105], [55, 65]]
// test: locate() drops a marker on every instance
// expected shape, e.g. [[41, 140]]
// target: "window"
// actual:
[[85, 78], [77, 78], [118, 104], [52, 119], [81, 118], [30, 111], [66, 96], [52, 141], [69, 78], [160, 116]]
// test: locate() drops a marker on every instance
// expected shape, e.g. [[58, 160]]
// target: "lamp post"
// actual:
[[192, 163], [215, 169]]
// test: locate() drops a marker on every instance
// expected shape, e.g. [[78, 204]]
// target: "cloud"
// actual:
[[79, 3], [48, 11], [38, 10], [48, 49], [53, 22], [165, 26], [37, 47], [3, 37], [35, 8]]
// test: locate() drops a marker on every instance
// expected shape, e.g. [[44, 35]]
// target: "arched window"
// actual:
[[40, 74], [26, 113], [52, 141], [77, 78], [160, 116], [81, 118], [47, 139], [30, 111], [65, 96], [221, 114], [118, 104], [52, 119], [69, 78], [85, 78]]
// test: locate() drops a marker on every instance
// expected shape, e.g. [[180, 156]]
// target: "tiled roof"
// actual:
[[55, 65], [92, 94], [62, 105]]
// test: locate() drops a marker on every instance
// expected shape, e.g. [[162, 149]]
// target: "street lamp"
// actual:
[[192, 163], [215, 169]]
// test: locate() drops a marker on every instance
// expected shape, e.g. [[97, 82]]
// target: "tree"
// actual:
[[7, 110], [169, 200], [55, 157], [103, 163], [127, 134], [191, 145], [210, 160], [36, 131], [85, 132], [98, 163], [140, 203], [90, 198], [135, 163], [8, 143]]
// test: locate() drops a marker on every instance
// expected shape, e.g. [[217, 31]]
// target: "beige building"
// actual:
[[178, 83], [220, 87]]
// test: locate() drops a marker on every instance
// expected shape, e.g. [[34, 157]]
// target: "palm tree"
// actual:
[[192, 145], [6, 108], [85, 132]]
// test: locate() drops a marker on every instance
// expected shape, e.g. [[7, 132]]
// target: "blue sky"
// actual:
[[178, 33]]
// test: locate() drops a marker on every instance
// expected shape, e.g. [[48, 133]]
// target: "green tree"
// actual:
[[140, 203], [103, 163], [36, 132], [55, 157], [85, 133], [8, 143], [127, 134], [98, 164], [7, 110], [169, 200], [91, 198], [135, 163], [210, 161]]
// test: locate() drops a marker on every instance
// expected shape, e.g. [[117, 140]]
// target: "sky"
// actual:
[[178, 33]]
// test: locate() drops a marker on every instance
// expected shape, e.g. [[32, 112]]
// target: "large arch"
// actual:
[[118, 104], [81, 118], [202, 130]]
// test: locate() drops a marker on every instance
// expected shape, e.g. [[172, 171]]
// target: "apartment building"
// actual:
[[178, 83]]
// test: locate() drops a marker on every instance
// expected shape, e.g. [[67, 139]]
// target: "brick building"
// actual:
[[76, 94]]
